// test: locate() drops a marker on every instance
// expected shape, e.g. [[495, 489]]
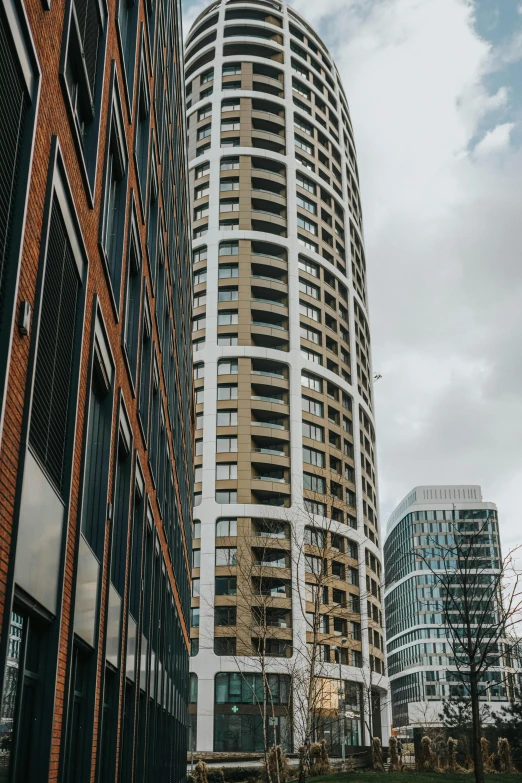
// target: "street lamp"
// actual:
[[340, 692]]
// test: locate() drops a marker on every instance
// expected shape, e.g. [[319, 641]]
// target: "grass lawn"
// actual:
[[406, 777]]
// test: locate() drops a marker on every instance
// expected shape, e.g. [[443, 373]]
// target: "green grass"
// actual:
[[406, 777]]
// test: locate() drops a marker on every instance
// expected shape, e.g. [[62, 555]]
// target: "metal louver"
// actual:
[[51, 412], [14, 102]]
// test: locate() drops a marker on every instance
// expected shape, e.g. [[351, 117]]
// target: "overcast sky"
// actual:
[[435, 94]]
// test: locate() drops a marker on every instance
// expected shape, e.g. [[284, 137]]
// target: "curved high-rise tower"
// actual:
[[287, 556]]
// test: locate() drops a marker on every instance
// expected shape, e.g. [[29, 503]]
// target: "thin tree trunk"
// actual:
[[476, 732]]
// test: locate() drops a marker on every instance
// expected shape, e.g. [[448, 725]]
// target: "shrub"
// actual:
[[504, 756], [377, 755]]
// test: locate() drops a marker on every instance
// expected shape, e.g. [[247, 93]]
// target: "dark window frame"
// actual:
[[130, 335], [88, 157], [122, 470], [22, 49], [102, 371], [59, 194], [143, 128], [116, 170]]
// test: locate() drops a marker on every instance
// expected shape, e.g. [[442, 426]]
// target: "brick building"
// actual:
[[96, 403]]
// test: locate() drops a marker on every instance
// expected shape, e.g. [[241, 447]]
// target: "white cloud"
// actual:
[[495, 140], [443, 236]]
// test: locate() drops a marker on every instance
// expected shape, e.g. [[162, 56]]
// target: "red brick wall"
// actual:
[[52, 119]]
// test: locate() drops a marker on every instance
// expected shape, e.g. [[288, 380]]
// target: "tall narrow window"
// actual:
[[154, 421], [98, 446], [127, 28], [15, 102], [107, 750], [83, 74], [111, 238], [78, 748], [121, 500], [141, 142], [53, 411], [22, 698], [154, 219], [145, 367], [133, 299], [138, 523]]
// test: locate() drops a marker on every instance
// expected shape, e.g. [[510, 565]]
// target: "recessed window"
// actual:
[[227, 294], [201, 231], [308, 225], [98, 442], [305, 183], [113, 221], [54, 400], [313, 431], [205, 112], [141, 141], [232, 104], [309, 288], [133, 298], [200, 277], [226, 444], [229, 205], [314, 483], [202, 191], [226, 556], [228, 164], [206, 77], [199, 370], [145, 367], [199, 254], [227, 339], [313, 457], [229, 224], [120, 522], [203, 170], [231, 69], [227, 317], [229, 183], [309, 311], [225, 616], [228, 249], [204, 132], [83, 75], [226, 418], [232, 85], [228, 367], [227, 391], [312, 406], [305, 203], [226, 496], [127, 28], [226, 471], [226, 585]]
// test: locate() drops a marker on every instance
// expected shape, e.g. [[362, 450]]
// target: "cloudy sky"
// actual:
[[435, 93]]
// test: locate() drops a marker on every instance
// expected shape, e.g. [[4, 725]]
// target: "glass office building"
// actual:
[[419, 538]]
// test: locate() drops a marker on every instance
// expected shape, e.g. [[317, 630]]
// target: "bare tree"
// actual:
[[478, 595], [330, 597]]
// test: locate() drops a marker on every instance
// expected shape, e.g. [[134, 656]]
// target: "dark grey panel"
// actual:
[[130, 665], [87, 581], [113, 627]]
